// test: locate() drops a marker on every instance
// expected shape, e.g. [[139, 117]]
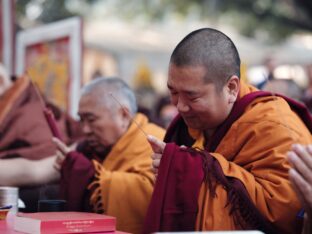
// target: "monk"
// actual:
[[223, 165], [113, 164], [300, 157]]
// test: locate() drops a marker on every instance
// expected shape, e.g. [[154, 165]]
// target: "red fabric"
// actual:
[[52, 123], [173, 205], [68, 128], [76, 174], [24, 131]]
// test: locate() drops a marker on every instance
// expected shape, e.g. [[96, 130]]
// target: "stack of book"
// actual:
[[64, 222]]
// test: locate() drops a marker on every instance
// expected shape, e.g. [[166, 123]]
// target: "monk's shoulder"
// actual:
[[268, 108]]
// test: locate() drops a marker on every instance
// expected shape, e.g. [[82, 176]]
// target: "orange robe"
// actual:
[[254, 151], [208, 185], [124, 181]]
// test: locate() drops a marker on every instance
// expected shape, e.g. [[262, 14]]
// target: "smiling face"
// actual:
[[102, 125], [201, 104]]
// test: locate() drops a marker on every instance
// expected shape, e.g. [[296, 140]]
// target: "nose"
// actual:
[[86, 128], [182, 106]]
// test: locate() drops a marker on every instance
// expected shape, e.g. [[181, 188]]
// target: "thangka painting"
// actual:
[[6, 34], [51, 56]]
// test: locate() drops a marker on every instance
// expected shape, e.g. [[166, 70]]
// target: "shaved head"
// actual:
[[107, 91], [211, 49]]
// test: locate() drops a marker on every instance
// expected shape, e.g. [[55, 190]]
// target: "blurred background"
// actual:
[[134, 39]]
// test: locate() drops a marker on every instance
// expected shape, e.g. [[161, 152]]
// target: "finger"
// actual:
[[60, 156], [304, 154], [156, 163], [59, 160], [61, 146], [300, 166], [156, 144], [156, 156], [295, 187], [309, 149], [73, 146], [301, 196], [155, 170], [304, 189], [57, 166]]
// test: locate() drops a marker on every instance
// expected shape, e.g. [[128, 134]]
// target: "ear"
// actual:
[[125, 113], [125, 117], [232, 86]]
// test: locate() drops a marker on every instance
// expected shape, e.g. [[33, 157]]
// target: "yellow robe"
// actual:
[[254, 151], [124, 182]]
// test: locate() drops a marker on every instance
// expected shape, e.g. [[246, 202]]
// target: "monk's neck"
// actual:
[[208, 133]]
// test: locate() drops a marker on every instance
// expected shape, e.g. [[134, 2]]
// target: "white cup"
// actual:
[[9, 197]]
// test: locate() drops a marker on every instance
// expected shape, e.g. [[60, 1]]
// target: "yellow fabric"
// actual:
[[125, 181], [253, 151]]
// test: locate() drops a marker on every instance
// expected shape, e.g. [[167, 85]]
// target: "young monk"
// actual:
[[111, 170], [223, 165]]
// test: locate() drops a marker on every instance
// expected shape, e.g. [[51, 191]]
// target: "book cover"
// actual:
[[63, 222]]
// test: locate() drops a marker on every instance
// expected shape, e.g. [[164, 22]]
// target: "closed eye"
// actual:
[[192, 96], [173, 92], [87, 118]]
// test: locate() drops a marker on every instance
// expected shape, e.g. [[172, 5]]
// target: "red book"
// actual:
[[64, 222]]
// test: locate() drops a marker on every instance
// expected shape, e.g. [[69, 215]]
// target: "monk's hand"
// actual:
[[158, 147], [62, 151], [300, 157]]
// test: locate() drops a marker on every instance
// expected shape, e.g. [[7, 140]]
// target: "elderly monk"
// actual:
[[223, 166], [111, 169]]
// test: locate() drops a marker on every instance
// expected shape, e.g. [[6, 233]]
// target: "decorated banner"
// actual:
[[7, 34], [51, 56]]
